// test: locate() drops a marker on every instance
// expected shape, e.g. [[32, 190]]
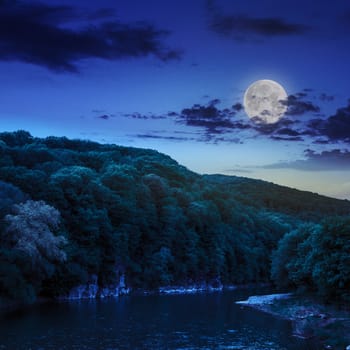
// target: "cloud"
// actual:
[[104, 116], [227, 25], [334, 128], [137, 115], [237, 107], [217, 124], [163, 137], [282, 126], [211, 118], [301, 94], [237, 170], [324, 161], [282, 138], [297, 106], [54, 37], [221, 139], [241, 26], [216, 121], [288, 132], [213, 124], [320, 142], [210, 121], [337, 127], [326, 98], [212, 139], [214, 102]]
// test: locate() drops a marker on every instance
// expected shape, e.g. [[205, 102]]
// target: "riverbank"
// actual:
[[198, 288], [309, 318], [91, 291]]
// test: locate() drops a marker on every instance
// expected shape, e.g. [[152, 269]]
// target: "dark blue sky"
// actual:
[[170, 75]]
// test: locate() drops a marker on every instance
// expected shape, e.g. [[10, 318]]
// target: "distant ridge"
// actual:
[[260, 193]]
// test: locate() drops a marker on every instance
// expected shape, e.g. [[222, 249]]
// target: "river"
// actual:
[[186, 322]]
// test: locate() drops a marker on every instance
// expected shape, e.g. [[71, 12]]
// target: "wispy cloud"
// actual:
[[243, 27], [43, 35], [212, 123], [326, 98], [238, 170], [137, 115], [104, 117], [163, 137], [324, 161]]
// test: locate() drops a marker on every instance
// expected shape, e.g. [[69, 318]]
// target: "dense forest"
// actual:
[[70, 209]]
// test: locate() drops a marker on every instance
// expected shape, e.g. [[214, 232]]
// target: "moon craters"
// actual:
[[265, 101]]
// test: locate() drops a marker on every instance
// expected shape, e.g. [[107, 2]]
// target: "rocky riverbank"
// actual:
[[92, 290], [309, 318]]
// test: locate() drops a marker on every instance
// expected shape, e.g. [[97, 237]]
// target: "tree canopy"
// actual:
[[71, 209]]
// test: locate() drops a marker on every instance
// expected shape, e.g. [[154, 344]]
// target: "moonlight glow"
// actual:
[[263, 101]]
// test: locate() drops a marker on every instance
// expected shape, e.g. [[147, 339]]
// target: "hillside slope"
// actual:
[[73, 209], [258, 193]]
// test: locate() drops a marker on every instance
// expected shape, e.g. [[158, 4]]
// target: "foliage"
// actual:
[[316, 257], [138, 211], [303, 205], [30, 251], [30, 230], [9, 195]]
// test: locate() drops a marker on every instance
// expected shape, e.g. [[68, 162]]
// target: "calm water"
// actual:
[[197, 321]]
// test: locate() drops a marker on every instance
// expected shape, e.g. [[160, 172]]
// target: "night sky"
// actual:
[[170, 75]]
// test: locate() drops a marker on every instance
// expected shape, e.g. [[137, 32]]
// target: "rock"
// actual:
[[85, 291], [192, 288], [264, 299], [92, 290]]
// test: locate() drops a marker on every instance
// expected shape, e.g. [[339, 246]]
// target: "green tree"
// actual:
[[30, 251], [330, 259], [291, 265], [31, 230]]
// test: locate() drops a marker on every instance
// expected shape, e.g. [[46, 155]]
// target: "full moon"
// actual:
[[263, 101]]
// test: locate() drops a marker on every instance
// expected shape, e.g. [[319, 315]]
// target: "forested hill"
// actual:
[[263, 194], [72, 209]]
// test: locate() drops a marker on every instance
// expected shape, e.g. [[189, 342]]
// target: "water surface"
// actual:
[[186, 322]]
